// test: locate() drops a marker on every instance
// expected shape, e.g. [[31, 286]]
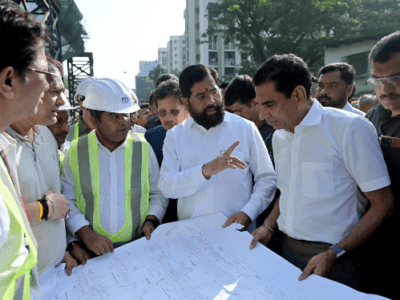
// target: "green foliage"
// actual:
[[263, 28], [157, 72]]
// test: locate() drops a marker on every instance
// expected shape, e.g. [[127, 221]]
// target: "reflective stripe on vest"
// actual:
[[76, 131], [85, 170], [18, 224]]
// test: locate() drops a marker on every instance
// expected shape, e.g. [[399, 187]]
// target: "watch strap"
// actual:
[[338, 250]]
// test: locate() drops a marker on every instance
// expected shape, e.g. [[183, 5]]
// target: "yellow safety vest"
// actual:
[[84, 164], [18, 228], [76, 131]]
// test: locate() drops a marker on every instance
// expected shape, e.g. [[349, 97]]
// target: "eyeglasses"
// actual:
[[174, 112], [378, 82], [136, 113], [50, 77], [61, 121], [79, 98]]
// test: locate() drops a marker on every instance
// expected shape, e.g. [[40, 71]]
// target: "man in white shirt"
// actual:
[[336, 86], [318, 172], [114, 194], [210, 157]]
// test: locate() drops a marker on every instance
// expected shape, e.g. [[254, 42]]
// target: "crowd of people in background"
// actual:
[[309, 171]]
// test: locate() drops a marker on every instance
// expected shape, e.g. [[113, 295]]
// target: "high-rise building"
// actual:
[[163, 58], [212, 51]]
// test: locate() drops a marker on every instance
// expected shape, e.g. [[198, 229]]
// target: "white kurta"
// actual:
[[188, 146]]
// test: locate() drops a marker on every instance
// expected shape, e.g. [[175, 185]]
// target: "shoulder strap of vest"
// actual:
[[83, 144]]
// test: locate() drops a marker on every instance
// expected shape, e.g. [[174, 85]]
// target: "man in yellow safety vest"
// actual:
[[111, 174], [24, 78]]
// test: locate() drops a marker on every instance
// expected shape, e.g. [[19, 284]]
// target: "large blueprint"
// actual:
[[191, 259]]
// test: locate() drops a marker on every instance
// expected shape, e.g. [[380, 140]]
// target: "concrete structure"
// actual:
[[143, 85], [355, 54], [177, 54], [212, 51]]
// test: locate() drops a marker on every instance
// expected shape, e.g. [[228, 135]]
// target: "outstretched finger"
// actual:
[[229, 221], [307, 271], [231, 148], [254, 241]]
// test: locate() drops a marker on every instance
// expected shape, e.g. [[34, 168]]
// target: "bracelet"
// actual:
[[52, 202], [265, 225], [154, 222], [45, 208], [41, 211]]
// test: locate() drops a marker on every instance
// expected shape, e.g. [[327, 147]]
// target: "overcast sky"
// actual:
[[123, 32]]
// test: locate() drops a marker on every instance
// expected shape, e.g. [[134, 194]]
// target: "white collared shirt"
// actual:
[[188, 146], [353, 110], [112, 190], [318, 169]]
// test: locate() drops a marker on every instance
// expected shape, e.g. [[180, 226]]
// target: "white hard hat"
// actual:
[[81, 89], [131, 93], [67, 106], [109, 95]]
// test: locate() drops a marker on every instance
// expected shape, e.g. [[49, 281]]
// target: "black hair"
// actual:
[[165, 77], [20, 33], [347, 72], [192, 74], [385, 49], [287, 71], [144, 105], [167, 88], [241, 89], [224, 85], [96, 114]]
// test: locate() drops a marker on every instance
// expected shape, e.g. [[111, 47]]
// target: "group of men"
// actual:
[[313, 173]]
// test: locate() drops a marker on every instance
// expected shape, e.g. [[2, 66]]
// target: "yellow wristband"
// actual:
[[41, 211]]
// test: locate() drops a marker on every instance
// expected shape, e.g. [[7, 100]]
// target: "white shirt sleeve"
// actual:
[[158, 203], [363, 156], [264, 177], [175, 183], [76, 219]]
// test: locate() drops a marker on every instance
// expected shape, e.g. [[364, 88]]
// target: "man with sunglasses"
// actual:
[[381, 251]]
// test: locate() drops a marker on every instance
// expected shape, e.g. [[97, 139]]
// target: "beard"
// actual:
[[206, 120], [337, 103]]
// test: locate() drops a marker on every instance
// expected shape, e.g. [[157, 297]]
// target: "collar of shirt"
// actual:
[[104, 147], [313, 117]]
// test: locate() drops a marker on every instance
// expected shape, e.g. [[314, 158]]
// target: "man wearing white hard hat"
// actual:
[[114, 168], [84, 125]]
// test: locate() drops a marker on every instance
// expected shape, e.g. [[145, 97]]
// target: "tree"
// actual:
[[262, 28], [157, 72]]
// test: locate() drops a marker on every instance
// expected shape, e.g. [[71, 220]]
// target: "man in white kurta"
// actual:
[[190, 147]]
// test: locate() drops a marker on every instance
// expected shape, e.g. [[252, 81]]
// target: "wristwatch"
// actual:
[[338, 250]]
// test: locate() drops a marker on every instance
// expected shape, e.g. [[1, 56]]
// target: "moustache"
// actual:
[[211, 107], [326, 97]]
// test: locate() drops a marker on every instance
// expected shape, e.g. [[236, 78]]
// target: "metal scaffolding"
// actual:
[[79, 68]]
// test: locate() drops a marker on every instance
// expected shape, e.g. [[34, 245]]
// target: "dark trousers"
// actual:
[[346, 269]]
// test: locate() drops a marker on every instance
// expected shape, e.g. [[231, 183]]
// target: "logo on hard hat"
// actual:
[[125, 99]]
